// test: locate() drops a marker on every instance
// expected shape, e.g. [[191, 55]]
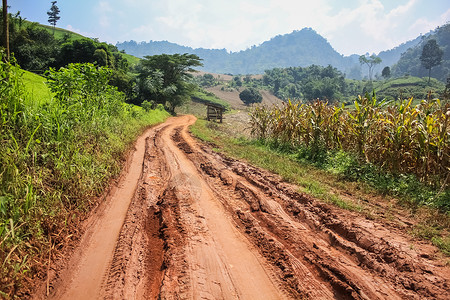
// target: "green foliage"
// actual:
[[166, 79], [37, 49], [34, 48], [399, 138], [206, 80], [386, 73], [53, 14], [203, 96], [57, 156], [407, 87], [148, 105], [371, 62], [79, 82], [411, 64], [431, 56], [90, 51], [250, 96], [236, 82], [306, 83]]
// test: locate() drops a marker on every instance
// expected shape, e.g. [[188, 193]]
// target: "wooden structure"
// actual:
[[214, 112]]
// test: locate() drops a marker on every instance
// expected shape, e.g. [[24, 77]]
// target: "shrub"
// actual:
[[250, 95]]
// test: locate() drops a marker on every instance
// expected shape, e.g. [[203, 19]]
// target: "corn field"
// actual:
[[399, 138]]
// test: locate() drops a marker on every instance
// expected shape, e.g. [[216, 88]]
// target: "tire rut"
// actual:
[[300, 236], [202, 225]]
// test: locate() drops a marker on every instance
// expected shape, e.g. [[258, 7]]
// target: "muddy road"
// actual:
[[187, 223]]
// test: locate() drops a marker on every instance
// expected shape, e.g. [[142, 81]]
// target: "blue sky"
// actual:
[[351, 26]]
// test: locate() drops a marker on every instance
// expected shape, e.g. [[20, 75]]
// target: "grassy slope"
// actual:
[[132, 60], [38, 91], [409, 87], [203, 96], [59, 32]]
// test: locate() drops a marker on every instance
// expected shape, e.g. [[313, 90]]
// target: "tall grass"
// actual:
[[399, 138], [56, 157]]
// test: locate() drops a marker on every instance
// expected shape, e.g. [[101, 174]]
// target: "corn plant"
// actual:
[[400, 138]]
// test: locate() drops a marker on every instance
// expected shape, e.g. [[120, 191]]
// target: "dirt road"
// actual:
[[188, 223]]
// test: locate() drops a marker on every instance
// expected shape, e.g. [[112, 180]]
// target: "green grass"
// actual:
[[36, 88], [132, 60], [207, 97], [409, 86], [59, 32]]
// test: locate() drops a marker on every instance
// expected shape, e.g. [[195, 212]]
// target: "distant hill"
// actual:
[[300, 48], [410, 64]]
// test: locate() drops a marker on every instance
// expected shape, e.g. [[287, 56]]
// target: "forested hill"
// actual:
[[410, 64], [300, 48]]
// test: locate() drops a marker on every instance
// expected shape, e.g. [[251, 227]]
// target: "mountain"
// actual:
[[300, 48], [392, 56], [409, 62]]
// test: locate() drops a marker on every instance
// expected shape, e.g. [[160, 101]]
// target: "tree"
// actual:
[[165, 79], [250, 95], [237, 81], [53, 15], [5, 28], [370, 61], [386, 73], [431, 56]]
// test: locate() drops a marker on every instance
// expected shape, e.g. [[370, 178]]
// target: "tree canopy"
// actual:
[[431, 56], [411, 64], [306, 83], [386, 73], [250, 95], [165, 79], [370, 61], [53, 15]]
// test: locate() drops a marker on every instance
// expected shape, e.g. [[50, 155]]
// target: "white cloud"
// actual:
[[376, 27], [76, 30], [104, 9], [426, 25], [350, 26]]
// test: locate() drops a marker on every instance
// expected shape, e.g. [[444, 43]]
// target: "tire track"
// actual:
[[201, 225]]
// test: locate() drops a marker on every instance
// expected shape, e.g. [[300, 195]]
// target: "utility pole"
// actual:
[[6, 28]]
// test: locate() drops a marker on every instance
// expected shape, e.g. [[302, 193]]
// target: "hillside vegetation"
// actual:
[[58, 155], [410, 64], [328, 83], [301, 48]]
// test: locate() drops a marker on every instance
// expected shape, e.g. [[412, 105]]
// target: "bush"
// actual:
[[250, 95], [148, 105]]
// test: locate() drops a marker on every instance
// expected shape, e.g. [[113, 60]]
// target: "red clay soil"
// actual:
[[188, 223]]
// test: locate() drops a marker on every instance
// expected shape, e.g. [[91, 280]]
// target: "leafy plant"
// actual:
[[399, 138]]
